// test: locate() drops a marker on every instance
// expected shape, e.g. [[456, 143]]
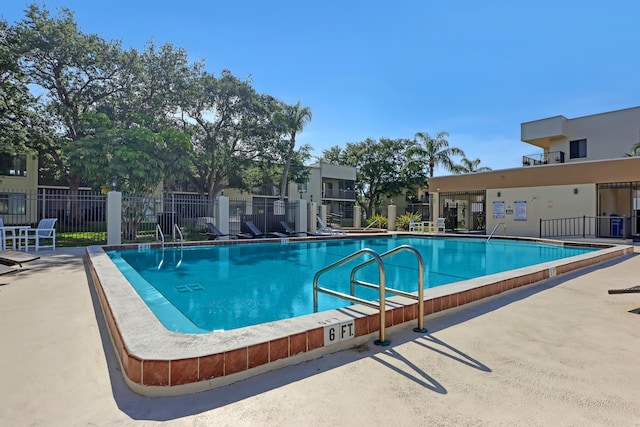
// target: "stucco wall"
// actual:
[[562, 201]]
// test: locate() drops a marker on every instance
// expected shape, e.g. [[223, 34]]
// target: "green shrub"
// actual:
[[403, 220], [380, 221]]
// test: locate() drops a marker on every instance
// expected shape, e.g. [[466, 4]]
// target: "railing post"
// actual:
[[114, 218], [584, 220], [540, 229]]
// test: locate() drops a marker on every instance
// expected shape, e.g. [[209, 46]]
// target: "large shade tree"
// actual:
[[19, 120], [73, 73], [383, 168], [231, 127]]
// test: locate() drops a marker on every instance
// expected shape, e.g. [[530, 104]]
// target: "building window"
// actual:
[[13, 204], [13, 165], [578, 149]]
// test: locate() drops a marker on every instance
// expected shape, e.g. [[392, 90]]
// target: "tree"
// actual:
[[231, 127], [18, 118], [383, 168], [134, 159], [635, 150], [435, 151], [469, 166], [74, 73], [293, 118]]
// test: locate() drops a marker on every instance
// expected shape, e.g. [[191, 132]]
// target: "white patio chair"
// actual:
[[440, 225], [45, 230], [417, 226]]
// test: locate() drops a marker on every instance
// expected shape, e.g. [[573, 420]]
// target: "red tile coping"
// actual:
[[180, 372]]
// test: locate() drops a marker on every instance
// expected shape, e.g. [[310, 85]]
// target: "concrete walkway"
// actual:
[[560, 353]]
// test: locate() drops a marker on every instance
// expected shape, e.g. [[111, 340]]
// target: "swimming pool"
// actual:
[[155, 361], [202, 289]]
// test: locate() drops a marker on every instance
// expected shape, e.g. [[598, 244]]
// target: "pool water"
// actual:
[[207, 288]]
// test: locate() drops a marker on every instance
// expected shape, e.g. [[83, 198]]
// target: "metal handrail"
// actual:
[[419, 297], [159, 230], [495, 228], [372, 223], [176, 228], [381, 306]]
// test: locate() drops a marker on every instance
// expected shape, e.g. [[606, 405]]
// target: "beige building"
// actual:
[[581, 184]]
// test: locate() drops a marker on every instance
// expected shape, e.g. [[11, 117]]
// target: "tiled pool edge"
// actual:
[[157, 362]]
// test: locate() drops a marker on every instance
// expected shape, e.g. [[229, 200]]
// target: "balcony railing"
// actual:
[[339, 194], [550, 158]]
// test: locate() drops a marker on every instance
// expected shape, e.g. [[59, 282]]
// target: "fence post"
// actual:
[[114, 218], [540, 229], [584, 221], [222, 214], [357, 216], [313, 224], [391, 217], [301, 220]]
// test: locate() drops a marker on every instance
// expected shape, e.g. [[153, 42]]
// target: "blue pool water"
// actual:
[[206, 288]]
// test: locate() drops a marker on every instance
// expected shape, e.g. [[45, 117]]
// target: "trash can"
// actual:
[[617, 225]]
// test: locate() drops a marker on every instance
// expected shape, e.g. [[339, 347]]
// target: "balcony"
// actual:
[[550, 158], [339, 194]]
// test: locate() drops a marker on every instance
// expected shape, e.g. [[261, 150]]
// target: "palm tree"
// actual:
[[635, 150], [294, 118], [436, 151], [469, 166]]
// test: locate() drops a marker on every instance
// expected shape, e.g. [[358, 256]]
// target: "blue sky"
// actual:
[[380, 69]]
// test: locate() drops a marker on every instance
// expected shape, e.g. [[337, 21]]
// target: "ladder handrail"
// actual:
[[176, 228], [381, 305], [159, 230], [495, 228], [372, 223], [419, 297], [377, 258]]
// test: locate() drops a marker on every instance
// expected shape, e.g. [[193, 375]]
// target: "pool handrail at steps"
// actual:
[[381, 306], [495, 228]]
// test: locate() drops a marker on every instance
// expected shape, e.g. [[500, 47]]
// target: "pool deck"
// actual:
[[559, 352]]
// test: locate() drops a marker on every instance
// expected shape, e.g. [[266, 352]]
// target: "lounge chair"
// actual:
[[631, 290], [324, 229], [16, 258], [440, 225], [45, 230], [256, 233], [289, 231], [6, 269], [212, 232]]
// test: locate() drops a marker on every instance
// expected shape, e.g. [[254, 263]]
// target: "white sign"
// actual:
[[498, 210], [339, 332], [520, 211]]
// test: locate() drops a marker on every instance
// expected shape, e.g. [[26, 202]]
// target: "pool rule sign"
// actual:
[[336, 331]]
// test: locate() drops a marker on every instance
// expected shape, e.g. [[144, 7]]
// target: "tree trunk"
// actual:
[[73, 216], [285, 173]]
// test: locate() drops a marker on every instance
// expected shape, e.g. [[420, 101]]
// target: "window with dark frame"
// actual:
[[578, 149], [13, 165], [13, 203]]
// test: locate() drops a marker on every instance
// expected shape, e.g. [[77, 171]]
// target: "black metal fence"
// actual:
[[587, 226], [81, 216]]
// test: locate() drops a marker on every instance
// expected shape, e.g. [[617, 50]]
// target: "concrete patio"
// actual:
[[562, 352]]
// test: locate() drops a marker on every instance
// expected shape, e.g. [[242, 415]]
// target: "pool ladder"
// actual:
[[380, 305], [160, 236]]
